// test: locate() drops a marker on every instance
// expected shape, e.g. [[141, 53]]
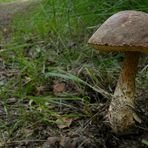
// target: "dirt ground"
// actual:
[[7, 10]]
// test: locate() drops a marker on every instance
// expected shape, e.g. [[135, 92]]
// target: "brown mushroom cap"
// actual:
[[123, 31]]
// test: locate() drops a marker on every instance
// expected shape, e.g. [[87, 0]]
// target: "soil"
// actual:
[[9, 10], [94, 132]]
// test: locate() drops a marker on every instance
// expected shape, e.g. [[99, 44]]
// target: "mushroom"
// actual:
[[125, 31]]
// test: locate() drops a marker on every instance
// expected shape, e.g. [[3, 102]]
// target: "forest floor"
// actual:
[[82, 124], [7, 10]]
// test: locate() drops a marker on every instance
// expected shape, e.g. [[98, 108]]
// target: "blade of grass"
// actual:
[[145, 142], [74, 78]]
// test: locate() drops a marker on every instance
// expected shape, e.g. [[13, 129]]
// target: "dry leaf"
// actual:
[[27, 132], [58, 87], [67, 142], [52, 142], [64, 122]]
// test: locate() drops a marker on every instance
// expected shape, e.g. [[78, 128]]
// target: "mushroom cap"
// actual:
[[123, 31]]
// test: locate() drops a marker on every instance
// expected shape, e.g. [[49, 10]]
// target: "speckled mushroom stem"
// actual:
[[121, 114]]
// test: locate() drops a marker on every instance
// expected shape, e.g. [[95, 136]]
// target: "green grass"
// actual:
[[145, 142], [1, 1], [49, 43]]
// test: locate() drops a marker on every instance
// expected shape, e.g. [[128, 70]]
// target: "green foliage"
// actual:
[[1, 1], [59, 32], [145, 142]]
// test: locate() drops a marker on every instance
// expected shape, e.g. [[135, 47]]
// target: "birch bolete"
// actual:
[[125, 31]]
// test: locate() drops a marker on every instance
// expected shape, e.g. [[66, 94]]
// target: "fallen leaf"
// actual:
[[67, 142], [64, 122], [52, 142], [58, 87], [27, 131]]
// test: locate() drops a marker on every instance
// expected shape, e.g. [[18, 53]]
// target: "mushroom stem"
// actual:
[[121, 113]]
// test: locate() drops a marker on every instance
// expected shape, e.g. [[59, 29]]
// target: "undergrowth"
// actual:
[[47, 47]]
